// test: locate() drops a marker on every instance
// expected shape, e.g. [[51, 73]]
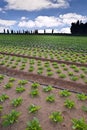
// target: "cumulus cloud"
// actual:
[[7, 22], [31, 5], [52, 22]]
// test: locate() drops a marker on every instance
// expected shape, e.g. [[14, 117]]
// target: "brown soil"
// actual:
[[46, 108], [58, 83]]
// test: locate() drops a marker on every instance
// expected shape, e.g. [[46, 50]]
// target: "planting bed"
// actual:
[[40, 81], [46, 107]]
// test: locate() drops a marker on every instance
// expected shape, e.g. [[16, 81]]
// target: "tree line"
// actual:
[[79, 28]]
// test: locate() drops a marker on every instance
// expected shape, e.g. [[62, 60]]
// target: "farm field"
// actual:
[[43, 80]]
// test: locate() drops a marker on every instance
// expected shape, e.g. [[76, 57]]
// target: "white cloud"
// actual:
[[31, 5], [52, 22], [72, 17], [7, 22], [65, 30]]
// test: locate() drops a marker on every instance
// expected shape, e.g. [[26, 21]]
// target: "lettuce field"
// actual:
[[43, 82]]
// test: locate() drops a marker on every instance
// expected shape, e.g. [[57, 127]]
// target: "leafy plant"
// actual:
[[56, 117], [74, 78], [17, 101], [69, 103], [79, 124], [33, 108], [62, 75], [65, 93], [34, 125], [22, 82], [48, 88], [1, 77], [8, 85], [20, 89], [1, 108], [49, 73], [10, 118], [34, 92], [3, 97], [50, 98], [82, 97], [84, 108], [35, 85], [11, 79]]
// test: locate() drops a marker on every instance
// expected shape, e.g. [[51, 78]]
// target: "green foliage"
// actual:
[[69, 103], [34, 125], [22, 82], [48, 88], [79, 124], [35, 85], [8, 85], [50, 98], [74, 78], [34, 92], [82, 97], [1, 77], [17, 101], [56, 117], [33, 108], [20, 89], [1, 108], [84, 108], [65, 93], [62, 75], [10, 118], [49, 73], [3, 97], [11, 79]]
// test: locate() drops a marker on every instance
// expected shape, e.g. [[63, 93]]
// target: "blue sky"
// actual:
[[41, 14]]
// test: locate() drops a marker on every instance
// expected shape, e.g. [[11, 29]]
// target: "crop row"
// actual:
[[63, 55], [46, 68], [35, 96]]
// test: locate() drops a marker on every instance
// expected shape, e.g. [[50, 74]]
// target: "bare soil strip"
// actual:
[[58, 83], [44, 59]]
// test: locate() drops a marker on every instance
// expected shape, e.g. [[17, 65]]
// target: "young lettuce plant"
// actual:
[[33, 108], [56, 117], [1, 108], [10, 118], [82, 97], [50, 98], [84, 108], [3, 97], [48, 88], [34, 92], [69, 103], [35, 85], [17, 101], [22, 82], [34, 125], [20, 89], [64, 93], [8, 85], [79, 124]]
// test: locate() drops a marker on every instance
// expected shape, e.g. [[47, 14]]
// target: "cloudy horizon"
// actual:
[[41, 14]]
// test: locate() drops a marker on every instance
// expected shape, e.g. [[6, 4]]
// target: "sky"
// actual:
[[41, 14]]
